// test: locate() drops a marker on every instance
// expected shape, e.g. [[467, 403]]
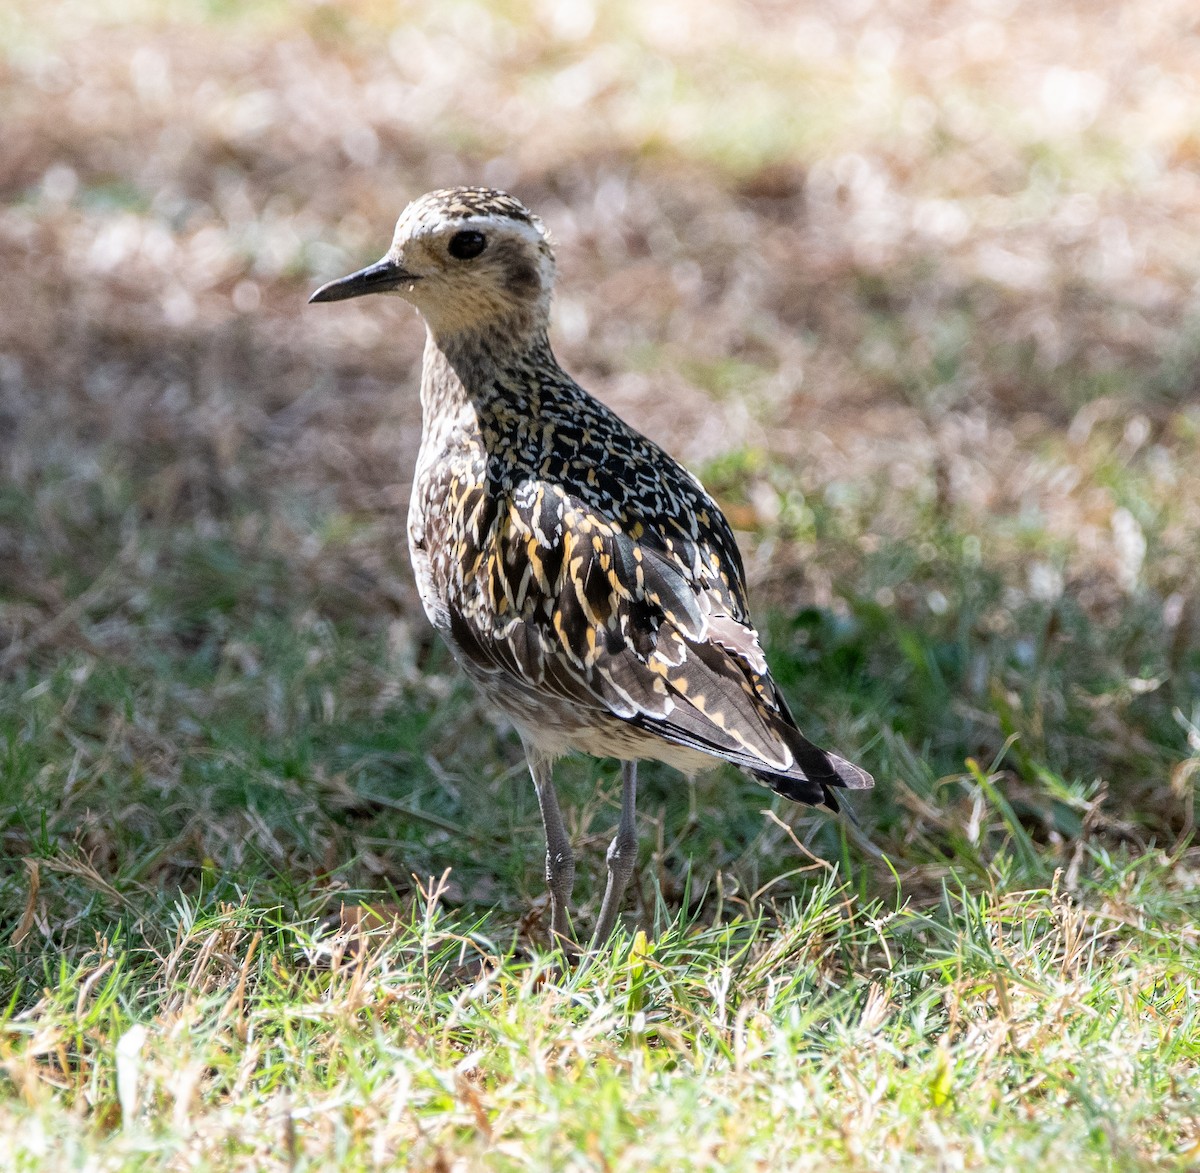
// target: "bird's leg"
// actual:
[[560, 862], [622, 856]]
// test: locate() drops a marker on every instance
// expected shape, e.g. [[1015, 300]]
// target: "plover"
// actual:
[[584, 579]]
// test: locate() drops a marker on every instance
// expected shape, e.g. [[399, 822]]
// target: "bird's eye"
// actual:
[[464, 246]]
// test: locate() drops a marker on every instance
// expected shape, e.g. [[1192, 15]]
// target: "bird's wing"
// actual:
[[651, 630]]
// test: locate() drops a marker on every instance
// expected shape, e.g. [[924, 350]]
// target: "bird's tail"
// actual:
[[815, 777]]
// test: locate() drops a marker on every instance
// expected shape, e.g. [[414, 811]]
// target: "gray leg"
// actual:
[[622, 856], [560, 863]]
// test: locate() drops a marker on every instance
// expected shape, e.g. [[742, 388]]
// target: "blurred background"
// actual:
[[912, 284]]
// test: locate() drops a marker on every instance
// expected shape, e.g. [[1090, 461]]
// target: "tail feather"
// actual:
[[815, 777]]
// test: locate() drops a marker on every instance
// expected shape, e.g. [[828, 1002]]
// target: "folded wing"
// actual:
[[651, 628]]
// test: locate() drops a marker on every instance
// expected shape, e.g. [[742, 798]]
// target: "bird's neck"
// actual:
[[470, 377]]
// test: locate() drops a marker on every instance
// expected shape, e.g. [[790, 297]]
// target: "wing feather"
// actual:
[[651, 629]]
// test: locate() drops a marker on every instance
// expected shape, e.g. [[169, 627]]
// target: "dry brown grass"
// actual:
[[925, 246]]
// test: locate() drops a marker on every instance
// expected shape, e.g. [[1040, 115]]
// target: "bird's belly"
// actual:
[[435, 539], [558, 726], [432, 600]]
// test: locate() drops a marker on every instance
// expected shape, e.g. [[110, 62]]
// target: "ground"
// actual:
[[911, 285]]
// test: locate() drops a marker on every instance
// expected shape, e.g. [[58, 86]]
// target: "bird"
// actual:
[[584, 579]]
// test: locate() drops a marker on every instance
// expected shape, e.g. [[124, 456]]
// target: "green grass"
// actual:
[[1008, 1028], [214, 754]]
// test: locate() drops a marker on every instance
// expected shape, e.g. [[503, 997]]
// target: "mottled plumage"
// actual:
[[584, 579]]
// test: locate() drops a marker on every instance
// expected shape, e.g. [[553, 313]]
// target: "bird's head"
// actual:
[[471, 259]]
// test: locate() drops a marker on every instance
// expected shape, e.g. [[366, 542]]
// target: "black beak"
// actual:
[[380, 277]]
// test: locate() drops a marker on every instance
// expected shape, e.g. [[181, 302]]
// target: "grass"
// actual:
[[917, 300], [213, 760], [1009, 1029]]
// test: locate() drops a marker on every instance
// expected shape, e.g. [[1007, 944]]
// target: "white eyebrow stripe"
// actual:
[[530, 232]]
